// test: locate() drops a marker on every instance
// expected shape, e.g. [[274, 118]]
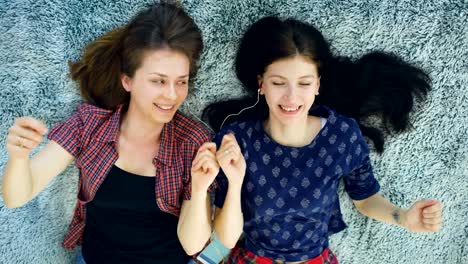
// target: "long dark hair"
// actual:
[[162, 25], [379, 83]]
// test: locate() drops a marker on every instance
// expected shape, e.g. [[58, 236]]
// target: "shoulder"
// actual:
[[188, 130], [342, 124], [348, 129], [97, 123], [86, 116], [87, 112]]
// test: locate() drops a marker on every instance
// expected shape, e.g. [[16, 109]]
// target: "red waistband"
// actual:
[[320, 259]]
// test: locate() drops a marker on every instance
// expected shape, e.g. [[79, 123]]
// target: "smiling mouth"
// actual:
[[290, 109], [164, 107]]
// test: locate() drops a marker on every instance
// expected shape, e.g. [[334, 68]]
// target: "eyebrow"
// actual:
[[302, 77], [164, 75]]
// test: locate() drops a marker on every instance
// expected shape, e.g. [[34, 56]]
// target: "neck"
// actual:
[[298, 134], [136, 128]]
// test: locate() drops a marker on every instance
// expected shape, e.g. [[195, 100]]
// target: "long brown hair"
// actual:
[[120, 51]]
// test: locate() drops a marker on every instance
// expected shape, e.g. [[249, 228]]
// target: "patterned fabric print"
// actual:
[[90, 135], [289, 195], [240, 255]]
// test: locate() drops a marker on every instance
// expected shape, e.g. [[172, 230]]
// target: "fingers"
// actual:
[[211, 146], [25, 134], [21, 142], [433, 209], [422, 203], [18, 133], [208, 158], [228, 155], [433, 227], [228, 139], [229, 149], [15, 149], [432, 221], [432, 216], [205, 157], [209, 166], [31, 123]]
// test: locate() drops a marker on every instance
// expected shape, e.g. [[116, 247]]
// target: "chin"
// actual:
[[163, 119]]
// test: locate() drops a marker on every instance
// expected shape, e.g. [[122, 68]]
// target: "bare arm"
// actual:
[[379, 208], [24, 177], [229, 221], [422, 216], [194, 228]]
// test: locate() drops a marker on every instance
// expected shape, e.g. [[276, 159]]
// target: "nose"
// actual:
[[290, 92], [171, 92]]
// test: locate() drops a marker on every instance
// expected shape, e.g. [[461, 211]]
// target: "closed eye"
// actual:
[[158, 81], [278, 83]]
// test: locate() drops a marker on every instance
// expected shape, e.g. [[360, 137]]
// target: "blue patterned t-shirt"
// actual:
[[289, 195]]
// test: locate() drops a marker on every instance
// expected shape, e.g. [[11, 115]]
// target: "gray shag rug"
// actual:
[[38, 38]]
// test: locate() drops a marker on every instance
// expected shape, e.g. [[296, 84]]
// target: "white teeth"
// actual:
[[164, 107], [289, 109]]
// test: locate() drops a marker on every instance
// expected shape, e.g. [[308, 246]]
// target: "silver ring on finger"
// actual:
[[227, 151], [20, 142]]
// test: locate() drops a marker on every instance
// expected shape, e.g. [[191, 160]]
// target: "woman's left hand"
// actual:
[[424, 216]]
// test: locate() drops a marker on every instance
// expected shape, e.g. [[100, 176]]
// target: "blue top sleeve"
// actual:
[[361, 183]]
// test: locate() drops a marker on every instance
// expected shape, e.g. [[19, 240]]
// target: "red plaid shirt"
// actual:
[[90, 134]]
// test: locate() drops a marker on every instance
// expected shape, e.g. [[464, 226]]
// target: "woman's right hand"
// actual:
[[231, 160], [25, 134], [205, 167]]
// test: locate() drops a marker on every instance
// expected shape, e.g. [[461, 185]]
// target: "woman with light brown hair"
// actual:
[[139, 194]]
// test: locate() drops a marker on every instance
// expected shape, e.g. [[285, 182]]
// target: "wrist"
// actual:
[[198, 195], [400, 217], [19, 159], [235, 185]]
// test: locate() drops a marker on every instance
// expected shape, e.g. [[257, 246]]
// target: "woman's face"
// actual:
[[160, 85], [290, 86]]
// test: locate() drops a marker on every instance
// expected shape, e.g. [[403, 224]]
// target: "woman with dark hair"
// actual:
[[139, 197], [282, 159]]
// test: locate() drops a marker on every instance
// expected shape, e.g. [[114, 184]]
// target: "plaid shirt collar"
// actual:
[[109, 132]]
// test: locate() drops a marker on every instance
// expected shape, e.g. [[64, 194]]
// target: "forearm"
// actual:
[[17, 185], [381, 209], [229, 222], [194, 228]]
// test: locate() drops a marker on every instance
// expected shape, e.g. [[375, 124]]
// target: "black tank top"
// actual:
[[125, 225]]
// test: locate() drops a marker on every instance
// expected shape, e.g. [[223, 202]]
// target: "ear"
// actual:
[[126, 82], [318, 85], [260, 81], [260, 84]]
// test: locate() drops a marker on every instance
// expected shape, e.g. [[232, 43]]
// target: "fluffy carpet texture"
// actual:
[[38, 38]]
